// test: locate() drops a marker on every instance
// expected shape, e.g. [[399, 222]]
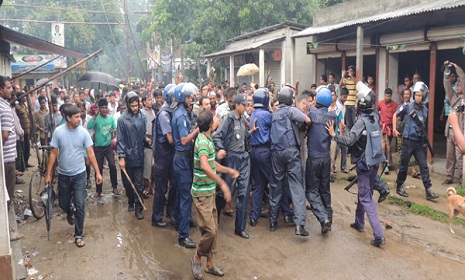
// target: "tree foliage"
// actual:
[[210, 23]]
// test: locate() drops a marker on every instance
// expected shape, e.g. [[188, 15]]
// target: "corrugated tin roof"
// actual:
[[406, 11], [245, 48], [267, 29], [31, 42]]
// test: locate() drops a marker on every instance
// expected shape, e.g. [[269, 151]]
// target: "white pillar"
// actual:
[[359, 60], [261, 65], [231, 70]]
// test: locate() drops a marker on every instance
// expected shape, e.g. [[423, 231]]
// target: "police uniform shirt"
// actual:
[[239, 133], [318, 138], [181, 126], [262, 134], [282, 134], [411, 129], [164, 125]]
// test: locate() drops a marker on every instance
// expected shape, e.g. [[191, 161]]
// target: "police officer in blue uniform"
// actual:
[[183, 159], [231, 140], [413, 143], [260, 156], [285, 160], [318, 167], [364, 140], [163, 151]]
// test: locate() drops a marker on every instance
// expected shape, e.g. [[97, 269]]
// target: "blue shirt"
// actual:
[[262, 134], [163, 125], [72, 145], [318, 138], [180, 127]]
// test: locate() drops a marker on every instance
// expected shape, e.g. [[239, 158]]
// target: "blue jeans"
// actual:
[[75, 187]]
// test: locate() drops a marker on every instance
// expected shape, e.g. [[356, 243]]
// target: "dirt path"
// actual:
[[120, 247]]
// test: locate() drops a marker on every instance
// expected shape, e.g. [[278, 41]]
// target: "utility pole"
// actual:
[[128, 69]]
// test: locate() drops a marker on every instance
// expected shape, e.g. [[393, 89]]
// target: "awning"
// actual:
[[245, 48], [31, 42], [406, 11]]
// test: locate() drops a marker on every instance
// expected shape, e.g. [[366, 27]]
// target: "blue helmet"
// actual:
[[184, 89], [286, 96], [261, 98], [324, 97], [168, 92]]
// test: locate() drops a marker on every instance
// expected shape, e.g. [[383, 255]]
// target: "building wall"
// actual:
[[5, 66], [304, 64], [359, 9]]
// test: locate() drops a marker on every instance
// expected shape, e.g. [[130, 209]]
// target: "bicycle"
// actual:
[[37, 184]]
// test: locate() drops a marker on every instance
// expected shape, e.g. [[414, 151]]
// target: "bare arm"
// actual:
[[189, 138], [170, 138], [93, 161], [5, 135], [459, 138], [51, 162], [212, 175]]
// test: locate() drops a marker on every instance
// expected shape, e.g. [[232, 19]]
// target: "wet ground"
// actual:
[[118, 246]]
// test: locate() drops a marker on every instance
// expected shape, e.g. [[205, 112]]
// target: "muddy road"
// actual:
[[118, 246]]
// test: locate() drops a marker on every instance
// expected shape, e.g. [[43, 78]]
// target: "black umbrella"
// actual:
[[98, 81], [48, 196]]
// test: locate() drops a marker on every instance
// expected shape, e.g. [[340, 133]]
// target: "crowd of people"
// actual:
[[172, 141]]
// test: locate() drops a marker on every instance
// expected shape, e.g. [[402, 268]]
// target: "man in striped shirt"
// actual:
[[203, 194], [348, 80], [8, 136]]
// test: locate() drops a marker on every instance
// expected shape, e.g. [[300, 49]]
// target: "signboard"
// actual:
[[58, 34], [311, 46], [25, 62]]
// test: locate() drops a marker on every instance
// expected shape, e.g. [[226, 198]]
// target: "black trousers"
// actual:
[[102, 153], [27, 148], [136, 175], [413, 148], [317, 188]]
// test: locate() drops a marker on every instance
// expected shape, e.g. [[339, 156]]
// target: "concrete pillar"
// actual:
[[382, 76], [6, 259], [432, 86], [231, 70], [359, 72], [261, 65], [393, 72], [209, 66]]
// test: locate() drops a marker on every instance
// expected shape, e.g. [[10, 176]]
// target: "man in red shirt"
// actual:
[[387, 108]]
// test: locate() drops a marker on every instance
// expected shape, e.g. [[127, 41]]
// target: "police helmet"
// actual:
[[324, 97], [285, 96], [131, 97], [420, 86], [183, 90], [168, 92], [261, 98], [366, 98]]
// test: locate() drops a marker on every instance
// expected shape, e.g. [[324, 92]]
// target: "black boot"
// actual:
[[400, 191], [430, 195]]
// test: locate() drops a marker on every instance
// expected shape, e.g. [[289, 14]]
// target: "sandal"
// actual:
[[79, 242], [416, 175], [145, 194], [15, 236], [196, 269], [214, 270], [115, 192]]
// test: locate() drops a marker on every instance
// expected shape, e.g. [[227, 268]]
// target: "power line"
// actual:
[[54, 21], [73, 10]]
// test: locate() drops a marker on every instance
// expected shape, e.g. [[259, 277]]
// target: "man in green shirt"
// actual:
[[104, 126], [204, 193]]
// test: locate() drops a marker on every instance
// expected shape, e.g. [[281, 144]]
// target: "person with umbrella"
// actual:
[[69, 144]]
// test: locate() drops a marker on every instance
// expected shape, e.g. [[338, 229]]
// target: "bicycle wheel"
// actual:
[[36, 187]]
